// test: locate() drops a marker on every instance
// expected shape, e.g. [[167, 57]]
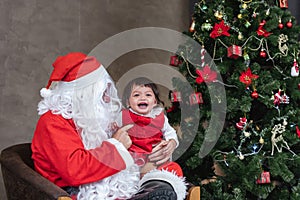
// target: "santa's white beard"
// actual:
[[95, 129], [93, 117], [122, 185], [94, 125]]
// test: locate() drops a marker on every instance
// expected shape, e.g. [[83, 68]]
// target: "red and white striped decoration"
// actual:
[[202, 56]]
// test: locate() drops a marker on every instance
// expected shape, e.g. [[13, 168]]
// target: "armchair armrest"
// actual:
[[22, 181]]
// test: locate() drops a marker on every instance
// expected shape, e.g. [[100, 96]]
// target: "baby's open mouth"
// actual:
[[142, 105]]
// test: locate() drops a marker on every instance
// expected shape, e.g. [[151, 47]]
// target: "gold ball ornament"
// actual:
[[261, 141], [244, 6], [240, 16]]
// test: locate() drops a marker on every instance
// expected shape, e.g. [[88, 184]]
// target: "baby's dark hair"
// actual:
[[141, 81]]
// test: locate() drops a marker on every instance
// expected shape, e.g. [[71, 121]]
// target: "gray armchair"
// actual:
[[20, 179]]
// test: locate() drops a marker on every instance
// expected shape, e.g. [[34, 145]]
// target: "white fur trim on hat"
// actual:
[[85, 80], [178, 183], [44, 92]]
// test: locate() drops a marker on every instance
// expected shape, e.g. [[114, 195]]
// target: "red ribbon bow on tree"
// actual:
[[261, 31]]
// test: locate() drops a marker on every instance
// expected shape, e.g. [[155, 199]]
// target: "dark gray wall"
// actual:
[[33, 33], [294, 7]]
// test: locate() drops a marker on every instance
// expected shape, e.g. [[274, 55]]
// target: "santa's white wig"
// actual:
[[83, 101]]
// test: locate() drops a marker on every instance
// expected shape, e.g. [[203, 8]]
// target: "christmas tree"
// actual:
[[246, 78]]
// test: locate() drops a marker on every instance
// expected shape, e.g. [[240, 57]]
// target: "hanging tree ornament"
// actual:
[[174, 61], [289, 24], [295, 69], [283, 3], [268, 12], [202, 52], [242, 123], [262, 53], [261, 140], [282, 40], [219, 15], [264, 178], [261, 31], [244, 6], [280, 24], [196, 98], [254, 94], [276, 137], [192, 27], [240, 16], [206, 26], [247, 24], [234, 51], [285, 99], [280, 98], [175, 96], [246, 59], [247, 134], [240, 36]]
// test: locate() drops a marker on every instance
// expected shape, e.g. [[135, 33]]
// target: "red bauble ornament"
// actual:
[[289, 24], [298, 86], [263, 54], [280, 25], [254, 94]]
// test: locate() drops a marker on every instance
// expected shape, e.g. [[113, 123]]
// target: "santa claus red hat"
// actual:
[[71, 67]]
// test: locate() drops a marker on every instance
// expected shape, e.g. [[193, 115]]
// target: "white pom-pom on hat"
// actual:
[[44, 92]]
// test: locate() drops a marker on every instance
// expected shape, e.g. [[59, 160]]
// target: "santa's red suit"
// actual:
[[71, 165], [72, 144]]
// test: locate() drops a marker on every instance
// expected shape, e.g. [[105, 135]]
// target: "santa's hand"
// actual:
[[170, 147], [122, 136], [158, 154]]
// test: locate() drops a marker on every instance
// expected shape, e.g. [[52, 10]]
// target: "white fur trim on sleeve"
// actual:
[[178, 183], [123, 152]]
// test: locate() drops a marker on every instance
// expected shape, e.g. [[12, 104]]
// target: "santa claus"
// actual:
[[74, 145]]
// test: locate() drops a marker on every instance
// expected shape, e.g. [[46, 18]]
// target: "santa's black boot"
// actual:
[[155, 190]]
